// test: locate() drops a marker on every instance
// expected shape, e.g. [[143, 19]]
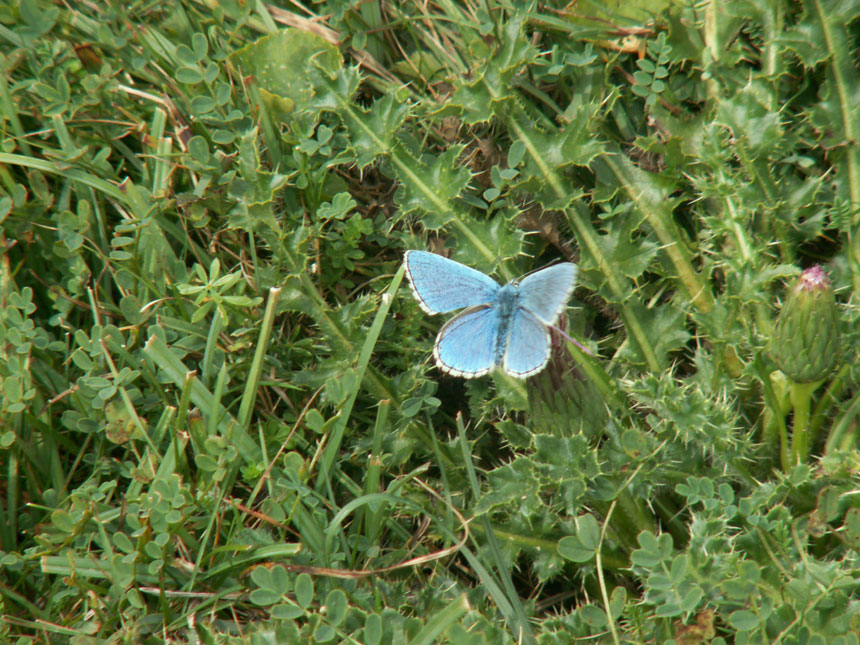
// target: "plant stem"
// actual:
[[801, 398], [844, 429]]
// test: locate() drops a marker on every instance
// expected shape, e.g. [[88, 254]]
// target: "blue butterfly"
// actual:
[[505, 327]]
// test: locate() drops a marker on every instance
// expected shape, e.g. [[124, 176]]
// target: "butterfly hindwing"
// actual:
[[466, 344], [440, 285], [528, 345], [545, 292]]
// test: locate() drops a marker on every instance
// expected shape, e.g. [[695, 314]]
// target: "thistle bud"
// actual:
[[562, 401], [805, 341]]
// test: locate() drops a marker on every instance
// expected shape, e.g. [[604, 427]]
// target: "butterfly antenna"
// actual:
[[574, 341]]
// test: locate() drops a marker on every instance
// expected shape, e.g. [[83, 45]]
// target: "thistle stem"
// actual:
[[801, 399]]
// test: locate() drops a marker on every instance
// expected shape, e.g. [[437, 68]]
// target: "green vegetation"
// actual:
[[220, 418]]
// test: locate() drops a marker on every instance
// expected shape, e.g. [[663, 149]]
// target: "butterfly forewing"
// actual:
[[466, 344], [545, 292], [528, 346], [440, 285]]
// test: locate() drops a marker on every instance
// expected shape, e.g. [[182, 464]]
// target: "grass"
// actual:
[[220, 417]]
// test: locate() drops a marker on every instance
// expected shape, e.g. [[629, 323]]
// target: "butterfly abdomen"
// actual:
[[506, 305]]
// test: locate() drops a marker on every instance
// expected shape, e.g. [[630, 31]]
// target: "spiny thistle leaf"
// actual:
[[431, 185], [373, 131]]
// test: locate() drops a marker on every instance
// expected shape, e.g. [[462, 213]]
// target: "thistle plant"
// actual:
[[806, 339], [806, 347]]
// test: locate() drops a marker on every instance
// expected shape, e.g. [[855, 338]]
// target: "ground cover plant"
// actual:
[[221, 421]]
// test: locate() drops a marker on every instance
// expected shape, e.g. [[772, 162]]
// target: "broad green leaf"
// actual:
[[289, 64]]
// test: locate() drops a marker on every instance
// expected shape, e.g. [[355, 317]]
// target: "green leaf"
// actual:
[[264, 597], [571, 547], [652, 551], [516, 153], [280, 580], [691, 599], [286, 611], [373, 630], [374, 130], [474, 102], [744, 620], [666, 325], [588, 531], [131, 309], [304, 590], [336, 607], [189, 75], [63, 521], [291, 64], [431, 185], [324, 633], [594, 616], [571, 145], [82, 360], [617, 247]]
